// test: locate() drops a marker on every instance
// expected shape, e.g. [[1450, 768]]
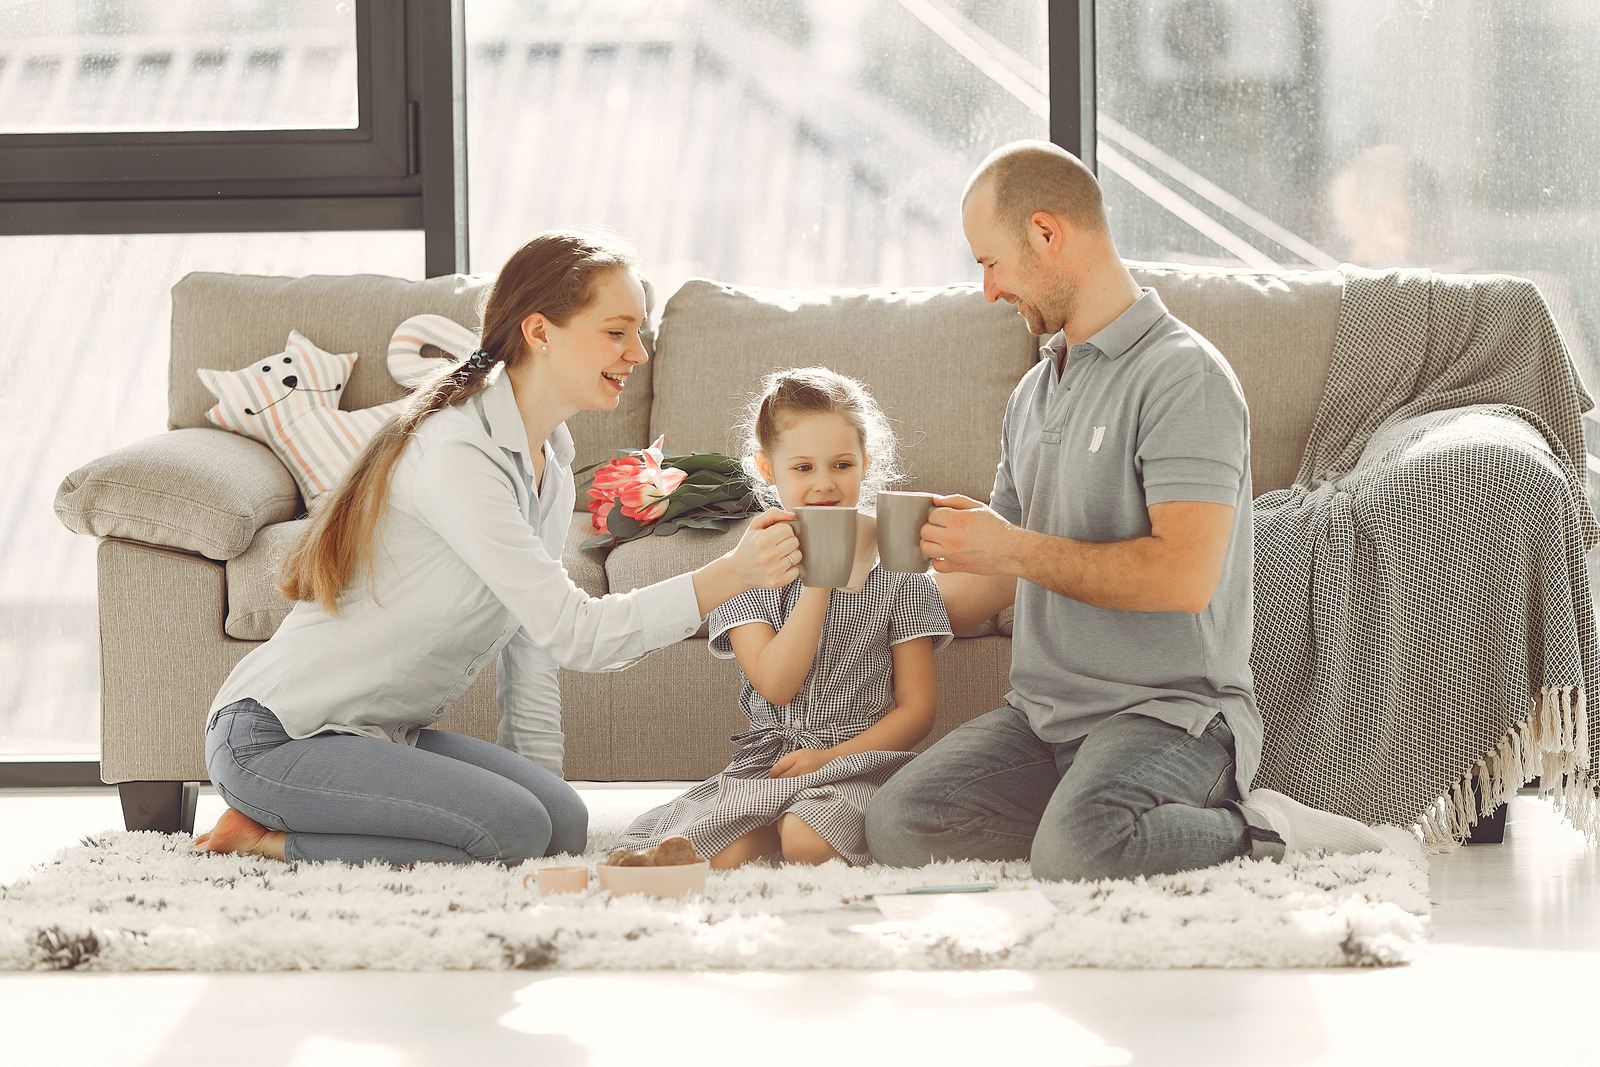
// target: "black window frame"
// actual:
[[400, 168], [431, 196]]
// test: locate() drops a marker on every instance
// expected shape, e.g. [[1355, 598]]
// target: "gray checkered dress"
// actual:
[[850, 687]]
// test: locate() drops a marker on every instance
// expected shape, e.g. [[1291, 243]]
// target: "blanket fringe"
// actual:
[[1552, 744]]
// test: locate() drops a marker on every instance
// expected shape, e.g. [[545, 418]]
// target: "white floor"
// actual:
[[1513, 975]]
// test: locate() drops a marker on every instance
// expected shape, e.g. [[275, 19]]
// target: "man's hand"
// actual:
[[800, 761], [963, 535]]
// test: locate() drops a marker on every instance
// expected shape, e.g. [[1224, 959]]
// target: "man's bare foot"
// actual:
[[237, 832]]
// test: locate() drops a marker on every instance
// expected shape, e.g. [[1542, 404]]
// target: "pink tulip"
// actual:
[[641, 498], [637, 483]]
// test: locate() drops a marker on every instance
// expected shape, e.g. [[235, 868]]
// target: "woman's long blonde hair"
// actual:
[[554, 274]]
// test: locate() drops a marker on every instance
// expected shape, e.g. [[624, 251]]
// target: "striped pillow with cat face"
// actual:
[[290, 403]]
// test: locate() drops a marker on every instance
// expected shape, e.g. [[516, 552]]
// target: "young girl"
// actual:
[[439, 550], [838, 683]]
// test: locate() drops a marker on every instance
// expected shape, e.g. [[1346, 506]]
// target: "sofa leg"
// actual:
[[166, 807]]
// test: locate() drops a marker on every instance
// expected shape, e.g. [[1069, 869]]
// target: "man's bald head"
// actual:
[[1030, 176]]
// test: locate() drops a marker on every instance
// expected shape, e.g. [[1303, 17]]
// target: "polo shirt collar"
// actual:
[[1128, 328], [1121, 333], [506, 428]]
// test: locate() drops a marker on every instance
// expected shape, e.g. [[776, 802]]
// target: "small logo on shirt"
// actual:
[[1099, 435]]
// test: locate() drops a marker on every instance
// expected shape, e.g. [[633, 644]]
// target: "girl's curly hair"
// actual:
[[786, 394]]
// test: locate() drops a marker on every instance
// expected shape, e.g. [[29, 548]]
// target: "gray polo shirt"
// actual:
[[1145, 411]]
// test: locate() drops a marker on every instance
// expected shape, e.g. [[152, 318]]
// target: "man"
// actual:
[[1120, 527]]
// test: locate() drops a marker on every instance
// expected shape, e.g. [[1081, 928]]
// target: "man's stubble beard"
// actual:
[[1055, 304]]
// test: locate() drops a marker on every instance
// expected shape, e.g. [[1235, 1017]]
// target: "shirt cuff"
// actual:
[[1191, 478], [669, 611], [1210, 494]]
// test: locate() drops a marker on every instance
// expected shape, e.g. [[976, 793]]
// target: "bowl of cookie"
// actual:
[[670, 869]]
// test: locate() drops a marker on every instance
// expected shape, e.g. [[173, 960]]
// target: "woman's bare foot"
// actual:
[[237, 832]]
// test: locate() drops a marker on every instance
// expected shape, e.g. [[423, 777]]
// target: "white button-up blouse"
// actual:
[[467, 564]]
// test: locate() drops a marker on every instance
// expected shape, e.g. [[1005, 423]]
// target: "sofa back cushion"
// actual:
[[227, 321], [1276, 329], [940, 361]]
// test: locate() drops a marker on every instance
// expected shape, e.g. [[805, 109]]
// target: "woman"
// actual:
[[431, 557]]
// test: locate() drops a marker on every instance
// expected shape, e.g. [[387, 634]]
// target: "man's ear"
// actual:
[[763, 466], [1046, 234], [535, 331]]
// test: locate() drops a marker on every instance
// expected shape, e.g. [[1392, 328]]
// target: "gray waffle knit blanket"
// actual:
[[1424, 633]]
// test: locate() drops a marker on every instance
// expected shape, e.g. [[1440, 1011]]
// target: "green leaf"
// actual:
[[665, 528], [697, 462], [604, 540], [622, 525]]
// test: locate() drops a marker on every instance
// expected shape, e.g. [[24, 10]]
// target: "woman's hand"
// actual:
[[766, 557], [800, 761]]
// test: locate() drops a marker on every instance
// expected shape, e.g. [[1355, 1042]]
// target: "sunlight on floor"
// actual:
[[877, 1018], [133, 1019], [327, 1052]]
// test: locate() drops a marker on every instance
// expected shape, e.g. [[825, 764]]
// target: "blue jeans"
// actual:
[[452, 799], [1134, 796]]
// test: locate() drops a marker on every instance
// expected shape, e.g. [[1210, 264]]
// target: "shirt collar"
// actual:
[[1121, 333], [506, 428]]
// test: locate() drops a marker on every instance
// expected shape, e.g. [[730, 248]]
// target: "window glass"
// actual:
[[83, 370], [85, 66], [769, 142], [1459, 136]]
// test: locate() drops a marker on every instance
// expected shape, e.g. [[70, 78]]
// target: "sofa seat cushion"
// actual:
[[941, 363], [635, 564], [201, 491], [256, 607]]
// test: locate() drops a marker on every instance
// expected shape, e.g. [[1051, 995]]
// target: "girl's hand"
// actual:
[[768, 555], [800, 761]]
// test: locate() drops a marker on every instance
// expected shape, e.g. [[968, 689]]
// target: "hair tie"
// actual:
[[480, 360]]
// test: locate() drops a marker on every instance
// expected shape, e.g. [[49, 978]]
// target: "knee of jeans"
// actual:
[[893, 828], [517, 834], [1085, 840], [569, 829]]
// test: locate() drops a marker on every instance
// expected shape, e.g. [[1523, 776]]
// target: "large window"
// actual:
[[170, 65], [1456, 135], [770, 142], [141, 140], [83, 371]]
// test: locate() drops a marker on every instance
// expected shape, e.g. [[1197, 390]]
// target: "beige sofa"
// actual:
[[192, 521]]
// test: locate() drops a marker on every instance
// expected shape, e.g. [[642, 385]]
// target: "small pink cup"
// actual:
[[559, 880]]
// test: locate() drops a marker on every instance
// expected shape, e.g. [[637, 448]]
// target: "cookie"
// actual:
[[674, 852], [627, 857]]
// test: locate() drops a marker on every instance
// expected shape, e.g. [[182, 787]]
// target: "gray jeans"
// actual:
[[1134, 796], [452, 799]]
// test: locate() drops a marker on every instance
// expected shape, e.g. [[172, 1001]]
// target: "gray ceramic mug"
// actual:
[[827, 545], [901, 517]]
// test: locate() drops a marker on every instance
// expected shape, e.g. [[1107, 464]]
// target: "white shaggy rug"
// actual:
[[141, 901]]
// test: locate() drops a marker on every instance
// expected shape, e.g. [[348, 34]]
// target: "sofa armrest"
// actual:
[[202, 491]]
